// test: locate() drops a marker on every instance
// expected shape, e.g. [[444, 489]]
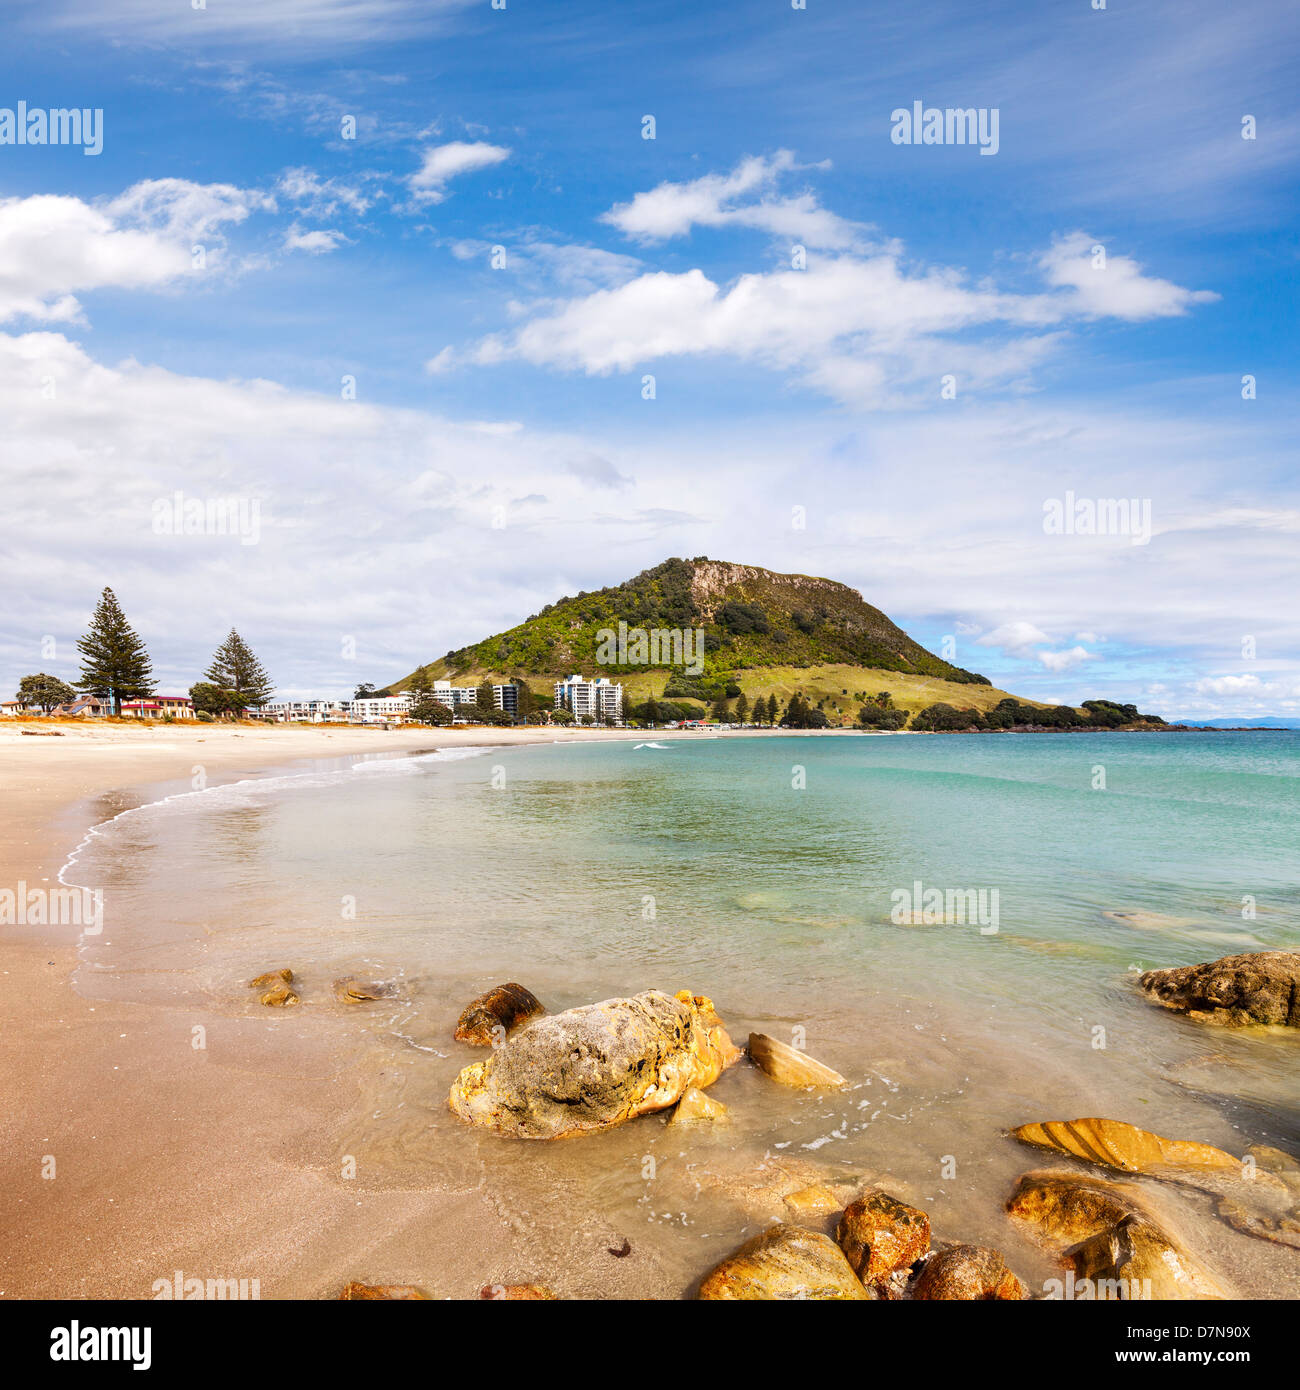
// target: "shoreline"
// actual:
[[170, 1160], [131, 1105]]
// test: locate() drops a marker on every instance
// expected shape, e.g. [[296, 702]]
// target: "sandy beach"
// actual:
[[164, 1158]]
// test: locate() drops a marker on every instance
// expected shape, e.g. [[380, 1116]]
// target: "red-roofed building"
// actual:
[[159, 707]]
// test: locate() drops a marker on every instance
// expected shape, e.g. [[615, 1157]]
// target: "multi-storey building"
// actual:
[[599, 699]]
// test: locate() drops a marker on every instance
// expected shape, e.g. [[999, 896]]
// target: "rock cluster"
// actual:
[[275, 987]]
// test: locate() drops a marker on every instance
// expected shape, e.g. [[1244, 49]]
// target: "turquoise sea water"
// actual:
[[763, 872]]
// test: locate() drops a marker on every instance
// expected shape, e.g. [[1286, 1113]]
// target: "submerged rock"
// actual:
[[881, 1235], [515, 1293], [1260, 987], [697, 1108], [785, 1263], [812, 1206], [788, 1065], [1136, 1259], [376, 1292], [275, 986], [1281, 1227], [350, 990], [1067, 1207], [1119, 1145], [493, 1016], [967, 1273], [1113, 1238], [596, 1066]]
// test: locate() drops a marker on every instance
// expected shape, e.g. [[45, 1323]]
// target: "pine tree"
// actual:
[[235, 668], [742, 707], [772, 709], [485, 697], [115, 665]]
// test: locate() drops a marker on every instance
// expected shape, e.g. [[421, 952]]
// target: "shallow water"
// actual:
[[765, 873]]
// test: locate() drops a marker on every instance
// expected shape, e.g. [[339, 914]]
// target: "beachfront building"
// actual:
[[601, 700], [159, 707], [301, 711], [453, 696], [85, 707], [384, 709], [504, 697]]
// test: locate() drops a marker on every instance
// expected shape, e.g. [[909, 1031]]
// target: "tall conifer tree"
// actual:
[[114, 663], [234, 667]]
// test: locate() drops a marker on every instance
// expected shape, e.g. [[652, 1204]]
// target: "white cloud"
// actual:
[[1113, 286], [743, 198], [863, 326], [1015, 638], [1065, 660], [316, 242], [442, 163], [53, 246], [301, 24], [318, 197]]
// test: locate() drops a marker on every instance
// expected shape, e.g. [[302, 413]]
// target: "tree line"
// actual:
[[116, 667]]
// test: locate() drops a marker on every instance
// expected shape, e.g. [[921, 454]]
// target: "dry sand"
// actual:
[[166, 1158]]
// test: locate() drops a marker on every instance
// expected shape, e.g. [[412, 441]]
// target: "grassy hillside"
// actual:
[[759, 627]]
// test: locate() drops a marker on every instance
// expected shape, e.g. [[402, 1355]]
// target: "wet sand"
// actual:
[[170, 1158]]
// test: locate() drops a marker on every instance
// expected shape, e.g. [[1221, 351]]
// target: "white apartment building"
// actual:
[[301, 711], [504, 697], [379, 708], [599, 699]]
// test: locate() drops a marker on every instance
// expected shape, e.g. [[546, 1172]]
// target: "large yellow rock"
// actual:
[[785, 1263], [599, 1065], [789, 1066], [1118, 1145]]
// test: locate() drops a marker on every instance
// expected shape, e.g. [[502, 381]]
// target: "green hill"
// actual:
[[764, 633]]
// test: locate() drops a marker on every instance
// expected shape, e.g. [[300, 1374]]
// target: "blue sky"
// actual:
[[499, 450]]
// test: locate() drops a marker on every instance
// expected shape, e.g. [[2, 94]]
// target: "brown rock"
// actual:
[[493, 1016], [350, 990], [783, 1264], [515, 1293], [1259, 987], [1067, 1207], [697, 1108], [275, 986], [789, 1066], [589, 1068], [1135, 1259], [880, 1234], [1119, 1145], [375, 1292], [967, 1273]]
